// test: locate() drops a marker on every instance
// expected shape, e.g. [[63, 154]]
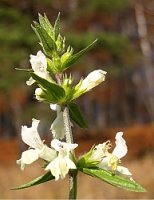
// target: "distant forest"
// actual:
[[125, 30]]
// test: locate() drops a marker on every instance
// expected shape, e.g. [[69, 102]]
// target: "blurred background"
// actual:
[[124, 102]]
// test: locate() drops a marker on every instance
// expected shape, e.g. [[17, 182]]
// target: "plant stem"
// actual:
[[69, 139], [67, 124], [73, 184]]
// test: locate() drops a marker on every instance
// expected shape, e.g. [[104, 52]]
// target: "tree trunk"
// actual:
[[147, 59]]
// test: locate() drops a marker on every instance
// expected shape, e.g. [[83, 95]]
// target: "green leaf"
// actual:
[[56, 28], [41, 179], [76, 115], [114, 180], [76, 56], [48, 43], [45, 24], [55, 91]]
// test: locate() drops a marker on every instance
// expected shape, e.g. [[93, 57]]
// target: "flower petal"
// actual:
[[104, 163], [30, 81], [100, 151], [53, 166], [30, 135], [64, 169], [60, 166], [47, 153], [57, 126], [58, 145], [70, 163], [55, 107], [121, 148], [93, 79], [124, 171], [39, 63], [28, 157]]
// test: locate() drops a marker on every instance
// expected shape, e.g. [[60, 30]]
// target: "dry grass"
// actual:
[[140, 161], [88, 187]]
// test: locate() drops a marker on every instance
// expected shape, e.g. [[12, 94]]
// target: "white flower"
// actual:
[[60, 166], [39, 66], [100, 151], [57, 127], [92, 80], [37, 149], [111, 160]]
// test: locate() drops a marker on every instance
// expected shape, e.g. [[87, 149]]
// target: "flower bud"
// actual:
[[93, 79], [38, 94]]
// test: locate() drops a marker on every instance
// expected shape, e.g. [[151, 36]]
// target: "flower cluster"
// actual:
[[99, 156], [40, 69], [58, 156]]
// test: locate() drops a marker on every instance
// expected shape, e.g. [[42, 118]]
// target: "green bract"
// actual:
[[59, 57], [85, 160]]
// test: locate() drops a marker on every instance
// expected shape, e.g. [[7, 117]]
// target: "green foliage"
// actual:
[[114, 180], [76, 115], [46, 40], [56, 28], [113, 43], [53, 93], [54, 45], [85, 161], [14, 45], [49, 36], [107, 5], [70, 61], [41, 179]]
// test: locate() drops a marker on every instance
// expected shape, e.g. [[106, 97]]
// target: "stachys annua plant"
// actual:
[[57, 89]]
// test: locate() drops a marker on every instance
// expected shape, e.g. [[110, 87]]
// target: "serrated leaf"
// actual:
[[41, 179], [76, 56], [114, 180], [48, 43], [56, 28], [55, 91], [76, 115]]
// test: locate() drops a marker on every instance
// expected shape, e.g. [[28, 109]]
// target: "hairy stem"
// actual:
[[67, 124], [69, 139]]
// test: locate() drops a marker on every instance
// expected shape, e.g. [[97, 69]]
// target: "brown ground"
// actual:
[[139, 161]]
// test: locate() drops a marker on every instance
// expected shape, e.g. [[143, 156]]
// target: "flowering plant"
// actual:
[[59, 91]]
